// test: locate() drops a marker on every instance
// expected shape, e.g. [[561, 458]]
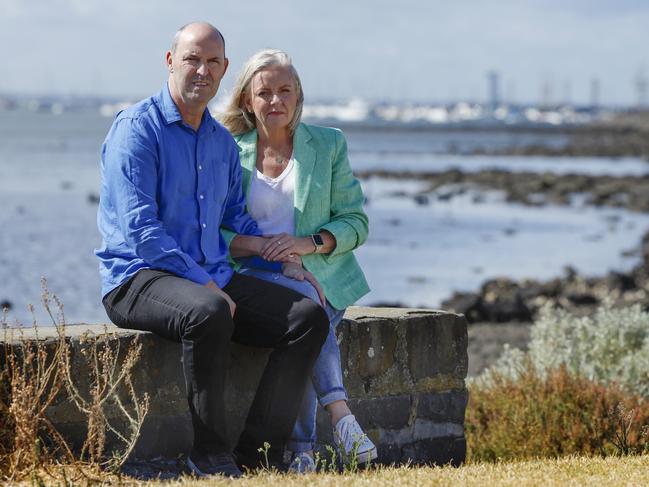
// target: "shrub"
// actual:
[[610, 347], [552, 414]]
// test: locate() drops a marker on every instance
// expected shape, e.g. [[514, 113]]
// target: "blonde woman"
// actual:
[[301, 191]]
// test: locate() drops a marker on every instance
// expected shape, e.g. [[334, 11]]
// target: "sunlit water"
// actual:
[[417, 254]]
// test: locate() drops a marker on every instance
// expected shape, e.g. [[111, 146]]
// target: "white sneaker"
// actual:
[[301, 463], [351, 440]]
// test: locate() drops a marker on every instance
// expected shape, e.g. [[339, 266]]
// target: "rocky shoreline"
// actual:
[[623, 135], [505, 300], [529, 188]]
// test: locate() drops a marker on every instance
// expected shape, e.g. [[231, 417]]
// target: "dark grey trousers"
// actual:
[[267, 316]]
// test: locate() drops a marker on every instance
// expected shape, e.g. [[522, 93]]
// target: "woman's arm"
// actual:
[[348, 223], [347, 228], [281, 246]]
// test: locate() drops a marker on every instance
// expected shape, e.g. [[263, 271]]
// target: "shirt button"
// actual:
[[201, 196], [204, 225], [200, 167]]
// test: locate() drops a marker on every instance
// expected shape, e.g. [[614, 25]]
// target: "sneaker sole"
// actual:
[[367, 456], [199, 473]]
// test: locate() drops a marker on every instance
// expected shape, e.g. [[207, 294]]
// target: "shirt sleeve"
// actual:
[[349, 223], [131, 174], [235, 216]]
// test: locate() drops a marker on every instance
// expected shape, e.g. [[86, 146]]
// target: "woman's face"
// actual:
[[272, 97]]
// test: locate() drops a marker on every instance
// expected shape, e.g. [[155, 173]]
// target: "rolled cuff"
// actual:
[[345, 235], [338, 394]]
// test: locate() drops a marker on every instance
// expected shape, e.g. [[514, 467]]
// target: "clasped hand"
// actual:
[[281, 246]]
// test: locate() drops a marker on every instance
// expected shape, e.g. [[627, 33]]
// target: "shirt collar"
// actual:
[[171, 114], [168, 106]]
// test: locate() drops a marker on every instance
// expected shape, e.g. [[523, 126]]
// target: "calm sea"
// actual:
[[416, 254]]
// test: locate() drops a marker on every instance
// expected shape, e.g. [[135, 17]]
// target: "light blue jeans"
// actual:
[[327, 378]]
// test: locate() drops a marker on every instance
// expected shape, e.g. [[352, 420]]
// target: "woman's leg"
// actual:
[[327, 386]]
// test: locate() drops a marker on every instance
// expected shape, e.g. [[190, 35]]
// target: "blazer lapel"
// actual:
[[305, 156], [248, 155]]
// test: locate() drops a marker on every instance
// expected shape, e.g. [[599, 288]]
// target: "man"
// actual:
[[170, 179]]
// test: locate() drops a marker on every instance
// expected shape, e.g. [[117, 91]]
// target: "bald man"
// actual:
[[170, 179]]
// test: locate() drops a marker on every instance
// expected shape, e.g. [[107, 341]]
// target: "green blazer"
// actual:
[[327, 197]]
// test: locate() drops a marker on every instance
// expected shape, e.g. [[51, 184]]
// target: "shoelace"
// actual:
[[351, 430]]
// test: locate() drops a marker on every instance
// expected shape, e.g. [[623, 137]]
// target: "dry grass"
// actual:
[[35, 374], [568, 471], [572, 471]]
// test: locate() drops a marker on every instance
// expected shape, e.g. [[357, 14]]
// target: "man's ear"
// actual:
[[169, 59]]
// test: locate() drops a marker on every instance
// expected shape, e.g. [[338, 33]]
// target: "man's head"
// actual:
[[196, 63]]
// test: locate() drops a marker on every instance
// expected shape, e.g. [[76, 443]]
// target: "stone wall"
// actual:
[[404, 371]]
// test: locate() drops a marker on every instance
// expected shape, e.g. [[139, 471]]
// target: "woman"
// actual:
[[301, 190]]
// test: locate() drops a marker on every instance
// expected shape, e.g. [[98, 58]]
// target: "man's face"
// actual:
[[197, 66]]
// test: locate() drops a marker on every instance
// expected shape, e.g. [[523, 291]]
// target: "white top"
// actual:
[[271, 201]]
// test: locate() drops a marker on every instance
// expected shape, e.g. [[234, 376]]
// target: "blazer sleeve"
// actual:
[[348, 222]]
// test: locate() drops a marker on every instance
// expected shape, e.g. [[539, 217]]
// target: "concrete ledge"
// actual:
[[404, 371]]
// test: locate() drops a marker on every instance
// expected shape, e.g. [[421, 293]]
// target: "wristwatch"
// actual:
[[318, 242]]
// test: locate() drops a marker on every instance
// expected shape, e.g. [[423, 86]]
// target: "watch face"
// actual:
[[317, 238]]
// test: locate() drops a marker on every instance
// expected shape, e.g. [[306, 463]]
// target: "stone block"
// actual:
[[404, 371], [446, 406], [437, 451], [390, 412]]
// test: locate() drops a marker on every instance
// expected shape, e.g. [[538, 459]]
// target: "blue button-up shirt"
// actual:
[[165, 191]]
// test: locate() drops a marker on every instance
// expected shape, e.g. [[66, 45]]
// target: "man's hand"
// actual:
[[279, 247], [299, 273], [212, 285]]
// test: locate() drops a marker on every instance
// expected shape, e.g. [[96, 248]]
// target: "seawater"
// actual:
[[417, 254]]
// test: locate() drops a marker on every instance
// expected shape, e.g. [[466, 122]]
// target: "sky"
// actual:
[[405, 50]]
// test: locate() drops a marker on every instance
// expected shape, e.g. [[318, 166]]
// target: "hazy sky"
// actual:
[[426, 50]]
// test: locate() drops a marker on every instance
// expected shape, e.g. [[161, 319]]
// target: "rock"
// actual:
[[621, 281], [93, 198], [502, 301], [582, 299], [468, 304], [421, 199]]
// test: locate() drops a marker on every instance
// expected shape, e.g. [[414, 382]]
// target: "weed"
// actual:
[[264, 451], [36, 373]]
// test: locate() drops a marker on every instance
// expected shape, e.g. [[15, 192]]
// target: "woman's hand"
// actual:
[[299, 273], [279, 247]]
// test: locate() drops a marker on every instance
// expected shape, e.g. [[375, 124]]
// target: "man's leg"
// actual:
[[273, 316], [185, 312]]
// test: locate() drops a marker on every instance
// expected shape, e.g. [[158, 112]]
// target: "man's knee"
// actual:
[[314, 316], [210, 317]]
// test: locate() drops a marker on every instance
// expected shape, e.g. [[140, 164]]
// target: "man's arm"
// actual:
[[238, 227], [130, 171], [235, 217]]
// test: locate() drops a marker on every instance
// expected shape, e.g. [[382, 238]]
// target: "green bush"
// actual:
[[552, 414], [610, 347]]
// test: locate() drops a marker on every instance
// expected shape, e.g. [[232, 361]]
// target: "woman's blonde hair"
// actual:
[[239, 120]]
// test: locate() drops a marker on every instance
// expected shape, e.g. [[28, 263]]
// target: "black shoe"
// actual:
[[253, 463], [205, 464]]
